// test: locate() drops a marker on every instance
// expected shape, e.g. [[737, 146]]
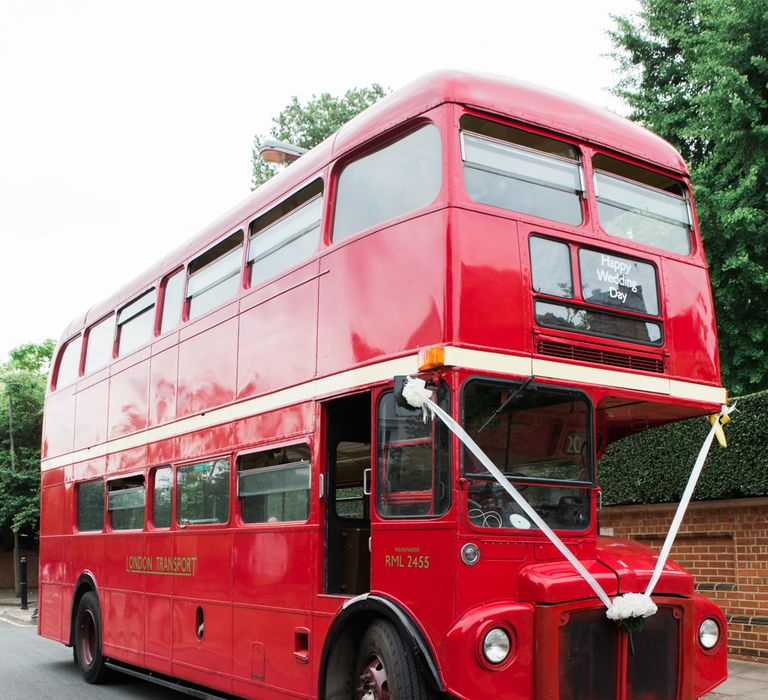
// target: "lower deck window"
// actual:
[[413, 471], [161, 497], [125, 502], [273, 485], [202, 493], [90, 506]]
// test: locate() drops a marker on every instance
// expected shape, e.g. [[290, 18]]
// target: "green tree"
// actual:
[[306, 125], [22, 392], [696, 72]]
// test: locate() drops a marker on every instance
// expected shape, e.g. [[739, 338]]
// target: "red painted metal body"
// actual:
[[262, 370]]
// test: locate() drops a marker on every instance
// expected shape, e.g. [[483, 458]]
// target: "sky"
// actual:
[[127, 126]]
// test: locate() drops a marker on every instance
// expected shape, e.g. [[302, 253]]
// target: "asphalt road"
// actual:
[[33, 668]]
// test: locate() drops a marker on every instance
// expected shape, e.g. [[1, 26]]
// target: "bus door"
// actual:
[[347, 516]]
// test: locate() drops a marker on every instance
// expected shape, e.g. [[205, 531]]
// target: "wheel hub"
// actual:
[[87, 638], [372, 683]]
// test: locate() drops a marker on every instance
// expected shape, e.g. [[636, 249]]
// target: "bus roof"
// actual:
[[518, 100]]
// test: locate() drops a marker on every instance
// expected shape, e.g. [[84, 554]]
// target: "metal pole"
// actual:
[[24, 583]]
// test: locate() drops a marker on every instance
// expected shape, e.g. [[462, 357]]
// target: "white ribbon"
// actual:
[[629, 605], [681, 508]]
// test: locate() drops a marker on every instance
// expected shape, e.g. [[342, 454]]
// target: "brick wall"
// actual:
[[724, 544], [6, 568]]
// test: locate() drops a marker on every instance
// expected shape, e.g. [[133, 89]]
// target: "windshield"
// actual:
[[540, 438]]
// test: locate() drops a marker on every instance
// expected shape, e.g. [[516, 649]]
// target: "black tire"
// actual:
[[87, 640], [385, 669]]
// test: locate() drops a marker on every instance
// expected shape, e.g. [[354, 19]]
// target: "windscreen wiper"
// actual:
[[506, 403]]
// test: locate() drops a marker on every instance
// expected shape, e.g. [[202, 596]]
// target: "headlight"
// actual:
[[709, 633], [496, 645]]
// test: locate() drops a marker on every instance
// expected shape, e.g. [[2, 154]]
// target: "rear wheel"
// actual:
[[385, 670], [87, 646]]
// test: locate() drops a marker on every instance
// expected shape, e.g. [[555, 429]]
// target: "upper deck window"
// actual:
[[520, 171], [135, 323], [642, 206], [396, 179], [605, 279], [214, 277], [551, 267], [618, 282], [69, 362], [286, 234], [100, 344], [173, 301]]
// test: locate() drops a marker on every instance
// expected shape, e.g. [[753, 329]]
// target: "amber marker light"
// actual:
[[280, 152], [431, 358]]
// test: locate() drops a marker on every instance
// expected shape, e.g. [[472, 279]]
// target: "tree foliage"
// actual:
[[22, 391], [696, 72], [306, 125]]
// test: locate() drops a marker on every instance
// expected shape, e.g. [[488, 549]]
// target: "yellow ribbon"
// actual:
[[721, 420]]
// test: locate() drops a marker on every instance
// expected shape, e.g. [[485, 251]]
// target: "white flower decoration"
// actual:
[[415, 392], [631, 605]]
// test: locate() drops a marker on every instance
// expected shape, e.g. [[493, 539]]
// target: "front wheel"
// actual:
[[87, 647], [385, 670]]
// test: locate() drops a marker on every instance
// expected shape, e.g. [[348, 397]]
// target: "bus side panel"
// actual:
[[133, 459], [52, 503], [59, 424], [293, 420], [91, 413], [274, 568], [384, 294], [158, 621], [122, 587], [52, 616], [208, 660], [162, 386], [51, 569], [277, 338], [124, 613], [128, 404], [409, 559], [207, 367], [690, 323], [203, 442], [487, 283], [269, 648], [158, 628], [202, 580]]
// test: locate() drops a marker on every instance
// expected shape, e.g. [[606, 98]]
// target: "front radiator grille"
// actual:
[[594, 651], [568, 351], [588, 656], [653, 658]]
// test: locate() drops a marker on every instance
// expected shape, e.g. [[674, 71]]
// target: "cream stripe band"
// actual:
[[478, 360]]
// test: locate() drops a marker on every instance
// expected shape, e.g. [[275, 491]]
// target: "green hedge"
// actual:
[[654, 466]]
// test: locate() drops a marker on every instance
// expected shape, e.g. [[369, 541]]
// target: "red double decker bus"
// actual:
[[234, 497]]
